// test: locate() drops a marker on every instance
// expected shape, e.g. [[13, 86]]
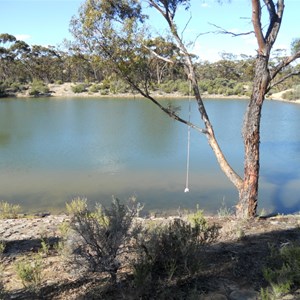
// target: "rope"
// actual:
[[186, 190]]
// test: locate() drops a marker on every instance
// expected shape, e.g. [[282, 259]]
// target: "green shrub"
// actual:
[[293, 94], [297, 92], [184, 88], [105, 84], [105, 234], [9, 211], [2, 277], [172, 251], [79, 88], [2, 90], [289, 95], [62, 246], [15, 87], [224, 211], [283, 270], [104, 92], [38, 88], [29, 270], [94, 88]]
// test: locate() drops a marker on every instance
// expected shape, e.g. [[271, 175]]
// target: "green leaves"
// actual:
[[295, 46]]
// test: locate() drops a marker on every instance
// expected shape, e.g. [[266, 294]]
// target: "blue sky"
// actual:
[[46, 22]]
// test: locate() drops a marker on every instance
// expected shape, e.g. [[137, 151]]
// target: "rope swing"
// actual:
[[186, 190]]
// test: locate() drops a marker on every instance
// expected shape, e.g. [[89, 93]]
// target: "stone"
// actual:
[[243, 295], [213, 296], [288, 297]]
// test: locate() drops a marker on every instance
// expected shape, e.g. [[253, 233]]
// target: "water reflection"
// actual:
[[52, 150]]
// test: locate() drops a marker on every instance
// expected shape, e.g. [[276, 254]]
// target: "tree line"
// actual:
[[22, 65]]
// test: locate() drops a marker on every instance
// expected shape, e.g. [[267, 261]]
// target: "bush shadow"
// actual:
[[225, 266]]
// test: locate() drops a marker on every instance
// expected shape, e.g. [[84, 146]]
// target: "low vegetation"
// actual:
[[282, 272], [38, 88], [9, 211], [293, 94], [116, 253]]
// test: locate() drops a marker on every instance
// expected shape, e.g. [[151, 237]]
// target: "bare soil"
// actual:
[[233, 263], [65, 91]]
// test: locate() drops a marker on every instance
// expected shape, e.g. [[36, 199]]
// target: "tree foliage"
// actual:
[[123, 44]]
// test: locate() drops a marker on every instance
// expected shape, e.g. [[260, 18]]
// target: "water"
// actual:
[[52, 150]]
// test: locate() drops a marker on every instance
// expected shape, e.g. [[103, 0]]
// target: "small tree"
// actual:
[[105, 234]]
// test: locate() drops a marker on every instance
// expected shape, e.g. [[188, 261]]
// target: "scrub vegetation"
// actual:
[[111, 253]]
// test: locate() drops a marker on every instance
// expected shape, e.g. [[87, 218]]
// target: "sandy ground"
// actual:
[[65, 91], [234, 261]]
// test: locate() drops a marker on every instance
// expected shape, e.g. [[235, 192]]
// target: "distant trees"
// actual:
[[21, 64]]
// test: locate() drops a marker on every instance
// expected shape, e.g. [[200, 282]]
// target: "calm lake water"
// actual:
[[52, 150]]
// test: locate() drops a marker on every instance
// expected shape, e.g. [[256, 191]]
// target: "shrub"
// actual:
[[297, 92], [79, 88], [2, 90], [9, 211], [38, 88], [173, 250], [94, 88], [184, 88], [105, 234], [283, 270], [2, 249], [105, 84], [30, 272], [292, 95], [224, 211], [289, 95]]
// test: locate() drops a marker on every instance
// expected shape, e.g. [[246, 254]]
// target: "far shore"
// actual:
[[65, 91]]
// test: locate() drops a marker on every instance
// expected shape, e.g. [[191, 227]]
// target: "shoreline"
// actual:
[[65, 91]]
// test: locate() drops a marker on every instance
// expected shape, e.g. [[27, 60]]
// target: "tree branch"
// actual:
[[256, 17], [284, 63], [224, 31], [159, 56], [283, 79], [275, 20]]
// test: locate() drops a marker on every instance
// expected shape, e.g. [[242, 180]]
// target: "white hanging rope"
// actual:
[[186, 190]]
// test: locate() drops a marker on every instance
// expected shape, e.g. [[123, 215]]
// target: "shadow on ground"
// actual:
[[226, 266]]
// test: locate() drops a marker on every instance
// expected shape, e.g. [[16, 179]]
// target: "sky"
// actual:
[[45, 22]]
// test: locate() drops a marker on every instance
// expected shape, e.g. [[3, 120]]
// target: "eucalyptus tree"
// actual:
[[12, 52], [44, 63], [118, 30], [163, 69]]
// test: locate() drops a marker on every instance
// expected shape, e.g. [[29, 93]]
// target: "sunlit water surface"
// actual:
[[52, 150]]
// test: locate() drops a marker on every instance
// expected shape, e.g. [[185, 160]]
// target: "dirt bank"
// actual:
[[65, 91], [233, 264]]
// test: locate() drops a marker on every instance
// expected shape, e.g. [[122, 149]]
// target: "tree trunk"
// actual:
[[248, 193]]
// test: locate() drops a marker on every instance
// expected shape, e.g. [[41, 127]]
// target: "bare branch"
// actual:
[[186, 25], [159, 56], [224, 31], [284, 63], [283, 79], [145, 93]]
